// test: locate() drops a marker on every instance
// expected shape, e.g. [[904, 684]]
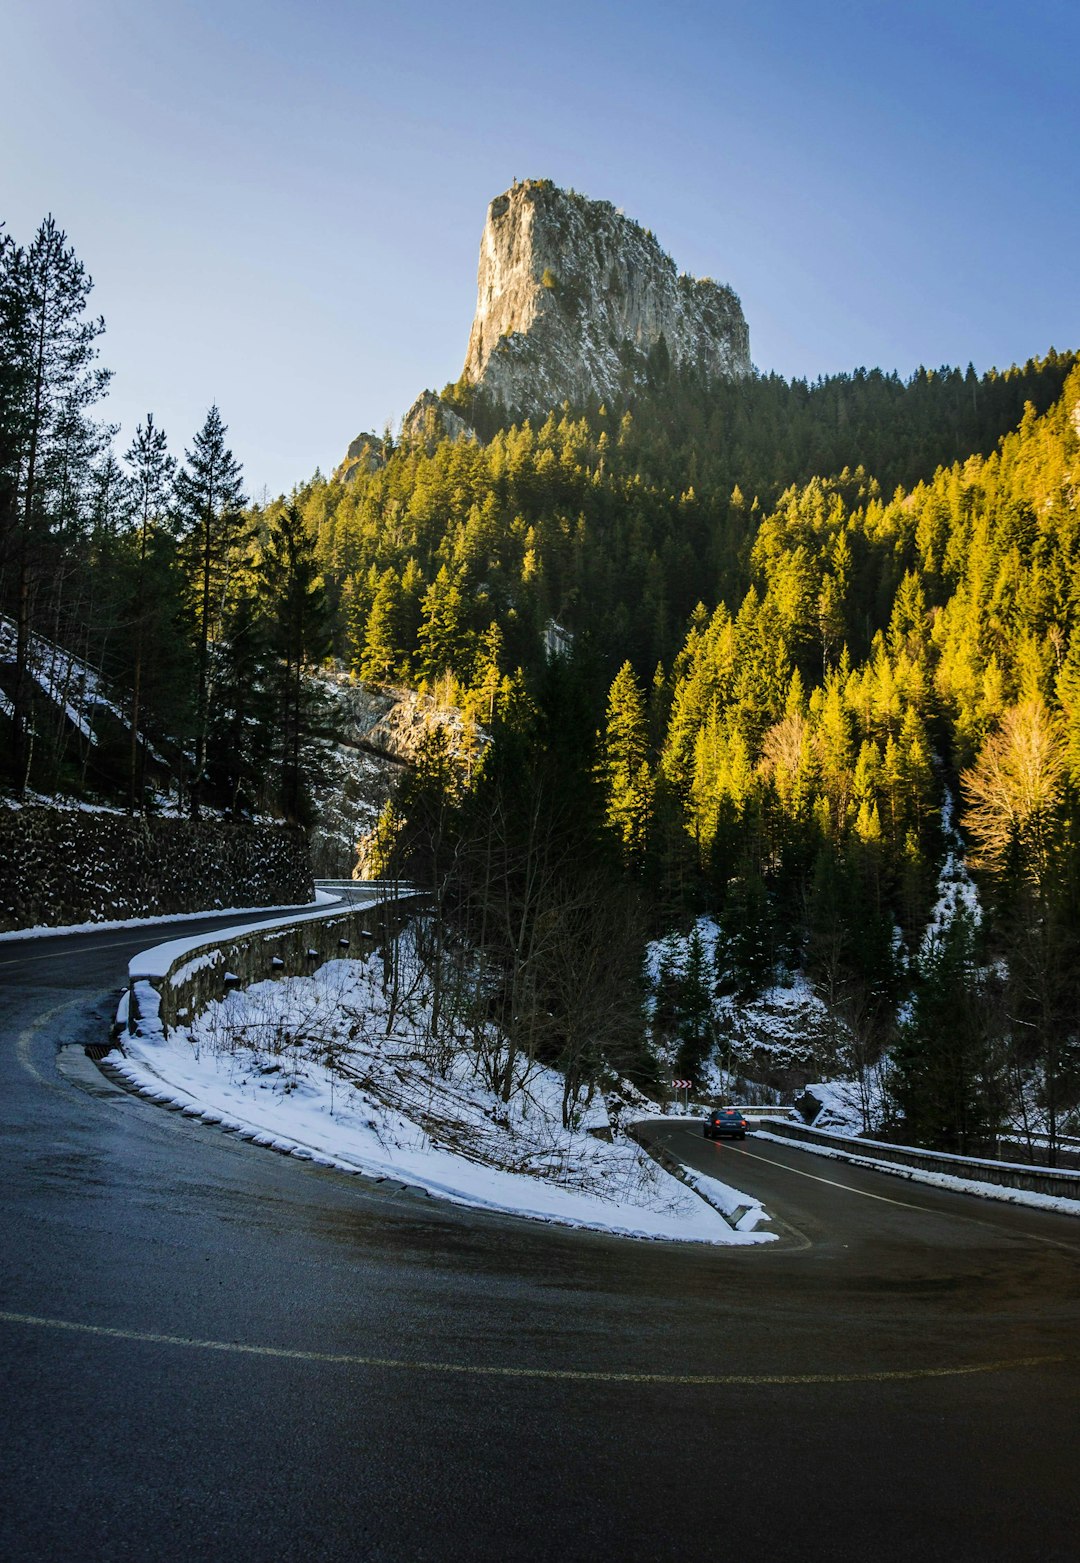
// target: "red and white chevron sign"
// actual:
[[682, 1085]]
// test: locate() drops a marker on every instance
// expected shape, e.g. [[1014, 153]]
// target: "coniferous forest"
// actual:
[[778, 679]]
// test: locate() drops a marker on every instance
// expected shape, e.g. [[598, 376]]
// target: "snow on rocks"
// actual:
[[777, 1034], [956, 889], [844, 1105]]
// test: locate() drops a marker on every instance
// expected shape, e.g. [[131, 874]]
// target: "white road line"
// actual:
[[86, 949], [24, 1039], [925, 1210], [850, 1189]]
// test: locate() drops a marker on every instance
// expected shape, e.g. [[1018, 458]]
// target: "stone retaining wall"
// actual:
[[203, 972], [64, 866]]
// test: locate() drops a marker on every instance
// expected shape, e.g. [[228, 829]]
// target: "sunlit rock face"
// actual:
[[576, 301]]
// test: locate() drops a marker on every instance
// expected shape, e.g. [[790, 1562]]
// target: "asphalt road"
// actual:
[[208, 1351]]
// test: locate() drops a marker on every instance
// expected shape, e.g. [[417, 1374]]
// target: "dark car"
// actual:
[[725, 1120]]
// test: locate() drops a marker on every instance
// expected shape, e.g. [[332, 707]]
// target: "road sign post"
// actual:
[[682, 1085]]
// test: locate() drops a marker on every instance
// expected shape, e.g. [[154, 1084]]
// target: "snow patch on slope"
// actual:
[[324, 1068]]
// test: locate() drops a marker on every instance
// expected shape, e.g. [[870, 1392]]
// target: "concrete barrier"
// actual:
[[361, 889]]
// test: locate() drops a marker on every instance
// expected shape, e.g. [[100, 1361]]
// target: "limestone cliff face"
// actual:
[[573, 298]]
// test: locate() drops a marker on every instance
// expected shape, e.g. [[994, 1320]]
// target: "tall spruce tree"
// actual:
[[694, 1025], [299, 633], [380, 660], [241, 743], [208, 500], [625, 765], [151, 468], [947, 1063], [48, 383]]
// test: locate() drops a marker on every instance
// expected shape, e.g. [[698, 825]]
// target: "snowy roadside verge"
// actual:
[[741, 1211], [942, 1180], [349, 1088]]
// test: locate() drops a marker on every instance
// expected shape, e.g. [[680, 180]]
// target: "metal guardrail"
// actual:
[[1006, 1174]]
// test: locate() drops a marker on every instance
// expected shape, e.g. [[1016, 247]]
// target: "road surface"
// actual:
[[210, 1351]]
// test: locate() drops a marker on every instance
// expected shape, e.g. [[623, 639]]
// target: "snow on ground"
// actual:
[[67, 680], [956, 889], [942, 1180], [322, 1067]]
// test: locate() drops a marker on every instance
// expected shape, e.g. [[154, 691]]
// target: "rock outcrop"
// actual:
[[376, 734], [576, 301], [429, 420], [366, 453]]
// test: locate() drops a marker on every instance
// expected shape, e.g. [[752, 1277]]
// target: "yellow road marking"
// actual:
[[574, 1375]]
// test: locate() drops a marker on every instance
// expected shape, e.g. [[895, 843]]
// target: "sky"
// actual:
[[281, 204]]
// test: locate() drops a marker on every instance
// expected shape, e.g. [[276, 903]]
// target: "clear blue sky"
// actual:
[[281, 203]]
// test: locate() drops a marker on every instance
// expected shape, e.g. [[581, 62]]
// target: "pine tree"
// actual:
[[243, 735], [625, 765], [946, 1073], [381, 659], [208, 499], [746, 950], [694, 1026], [151, 469], [1068, 694], [484, 696], [442, 636], [48, 383], [298, 619]]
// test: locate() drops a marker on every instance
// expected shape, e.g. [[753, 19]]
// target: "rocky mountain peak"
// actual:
[[573, 298], [575, 302]]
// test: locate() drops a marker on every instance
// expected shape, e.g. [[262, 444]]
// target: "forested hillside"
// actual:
[[616, 522], [749, 652], [154, 627], [796, 768], [887, 659]]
